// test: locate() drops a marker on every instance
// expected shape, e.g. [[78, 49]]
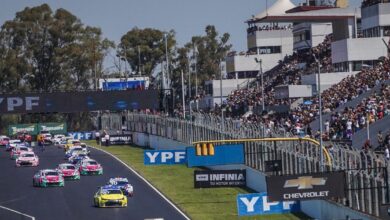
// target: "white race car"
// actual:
[[123, 184], [27, 159]]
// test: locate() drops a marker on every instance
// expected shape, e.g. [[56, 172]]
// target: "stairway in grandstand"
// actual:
[[360, 137]]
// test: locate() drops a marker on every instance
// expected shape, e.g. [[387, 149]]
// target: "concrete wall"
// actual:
[[318, 209], [327, 79], [358, 49]]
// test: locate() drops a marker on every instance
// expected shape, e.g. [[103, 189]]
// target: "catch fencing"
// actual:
[[366, 172]]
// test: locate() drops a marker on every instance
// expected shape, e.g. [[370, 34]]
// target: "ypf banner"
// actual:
[[259, 204], [78, 101]]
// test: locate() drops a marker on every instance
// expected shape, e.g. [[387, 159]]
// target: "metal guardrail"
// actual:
[[366, 172]]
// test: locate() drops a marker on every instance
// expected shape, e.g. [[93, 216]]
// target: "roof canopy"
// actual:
[[278, 8]]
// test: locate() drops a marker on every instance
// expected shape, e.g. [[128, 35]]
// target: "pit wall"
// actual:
[[317, 209]]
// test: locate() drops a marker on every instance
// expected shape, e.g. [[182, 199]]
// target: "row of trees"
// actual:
[[42, 50]]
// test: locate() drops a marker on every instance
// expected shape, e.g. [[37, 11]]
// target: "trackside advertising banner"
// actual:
[[306, 186], [29, 128], [121, 139], [53, 128], [81, 135], [224, 154], [259, 204], [164, 157], [219, 178], [78, 101]]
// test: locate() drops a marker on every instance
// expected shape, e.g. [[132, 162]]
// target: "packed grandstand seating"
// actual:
[[342, 124]]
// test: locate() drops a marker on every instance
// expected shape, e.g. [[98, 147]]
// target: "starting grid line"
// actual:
[[17, 212]]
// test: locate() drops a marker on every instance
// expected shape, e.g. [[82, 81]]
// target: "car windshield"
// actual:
[[68, 167], [75, 142], [92, 163], [28, 155], [5, 139], [111, 191], [51, 173], [23, 149], [121, 183]]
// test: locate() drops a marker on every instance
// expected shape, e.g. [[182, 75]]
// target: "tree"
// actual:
[[210, 50], [49, 51], [42, 50], [144, 49]]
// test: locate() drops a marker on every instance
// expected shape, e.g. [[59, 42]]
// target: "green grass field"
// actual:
[[176, 182]]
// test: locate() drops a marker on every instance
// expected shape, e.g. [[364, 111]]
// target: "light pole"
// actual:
[[182, 94], [320, 110], [196, 76], [166, 56], [220, 83], [259, 61], [139, 61]]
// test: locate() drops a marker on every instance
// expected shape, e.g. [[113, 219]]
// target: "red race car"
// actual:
[[4, 140], [24, 136], [90, 167], [68, 171]]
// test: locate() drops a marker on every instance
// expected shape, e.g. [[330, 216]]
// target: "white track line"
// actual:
[[20, 213], [146, 181]]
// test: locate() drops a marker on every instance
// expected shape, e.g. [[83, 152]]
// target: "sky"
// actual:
[[187, 17]]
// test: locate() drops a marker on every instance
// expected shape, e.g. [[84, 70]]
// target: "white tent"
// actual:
[[279, 8]]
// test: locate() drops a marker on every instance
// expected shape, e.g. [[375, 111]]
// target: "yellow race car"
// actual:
[[70, 143], [110, 196]]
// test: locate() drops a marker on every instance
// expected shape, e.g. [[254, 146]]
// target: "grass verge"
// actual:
[[176, 182]]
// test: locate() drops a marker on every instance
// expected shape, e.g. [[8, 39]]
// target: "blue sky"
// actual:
[[186, 17]]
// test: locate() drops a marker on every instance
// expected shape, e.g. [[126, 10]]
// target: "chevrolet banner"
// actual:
[[219, 178], [306, 186]]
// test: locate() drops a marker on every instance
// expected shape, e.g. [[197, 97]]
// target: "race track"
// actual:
[[75, 200]]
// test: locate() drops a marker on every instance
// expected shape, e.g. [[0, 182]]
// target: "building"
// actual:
[[266, 41], [351, 52]]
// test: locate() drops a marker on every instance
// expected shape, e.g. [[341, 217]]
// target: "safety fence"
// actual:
[[366, 172]]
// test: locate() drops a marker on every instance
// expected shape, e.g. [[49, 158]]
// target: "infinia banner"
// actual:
[[78, 101]]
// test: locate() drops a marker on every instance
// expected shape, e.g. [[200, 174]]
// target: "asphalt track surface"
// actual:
[[75, 200]]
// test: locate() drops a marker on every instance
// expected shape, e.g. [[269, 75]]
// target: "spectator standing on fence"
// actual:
[[107, 138], [97, 137]]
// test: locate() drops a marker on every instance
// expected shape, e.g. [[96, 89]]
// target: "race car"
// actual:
[[12, 143], [27, 159], [123, 184], [85, 148], [109, 196], [68, 171], [74, 151], [59, 137], [70, 143], [48, 177], [59, 144], [76, 157], [16, 151], [24, 136], [4, 141], [90, 167]]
